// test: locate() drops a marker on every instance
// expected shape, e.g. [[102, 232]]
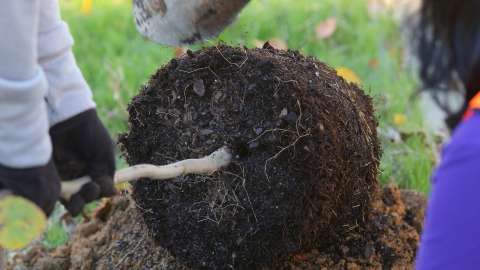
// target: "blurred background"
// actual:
[[366, 40]]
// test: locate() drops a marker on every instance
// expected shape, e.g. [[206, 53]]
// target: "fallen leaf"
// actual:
[[278, 44], [326, 29], [123, 186], [373, 63], [86, 7], [349, 75], [180, 51], [21, 222], [400, 119], [259, 43]]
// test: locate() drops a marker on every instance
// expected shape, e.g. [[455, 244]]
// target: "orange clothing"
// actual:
[[472, 107]]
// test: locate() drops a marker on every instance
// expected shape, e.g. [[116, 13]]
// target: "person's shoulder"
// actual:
[[465, 141], [468, 131]]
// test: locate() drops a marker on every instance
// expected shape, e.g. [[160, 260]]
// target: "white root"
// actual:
[[206, 165]]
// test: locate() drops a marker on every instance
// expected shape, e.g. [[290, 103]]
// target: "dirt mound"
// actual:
[[306, 152], [388, 241], [113, 239], [116, 239]]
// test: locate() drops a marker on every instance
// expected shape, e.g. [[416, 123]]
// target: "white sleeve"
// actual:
[[24, 139], [68, 92]]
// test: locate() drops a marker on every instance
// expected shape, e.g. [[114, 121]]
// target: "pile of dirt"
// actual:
[[116, 239], [306, 156], [388, 241]]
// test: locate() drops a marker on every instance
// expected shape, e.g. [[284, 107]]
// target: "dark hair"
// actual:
[[449, 48]]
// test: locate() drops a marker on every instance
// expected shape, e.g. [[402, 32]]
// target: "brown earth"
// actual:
[[116, 239], [305, 146]]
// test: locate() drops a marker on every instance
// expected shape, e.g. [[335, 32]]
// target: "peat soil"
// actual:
[[116, 238], [305, 146]]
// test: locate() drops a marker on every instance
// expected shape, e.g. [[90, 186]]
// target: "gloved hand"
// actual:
[[82, 146], [41, 185]]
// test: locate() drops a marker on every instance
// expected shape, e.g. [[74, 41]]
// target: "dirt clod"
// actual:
[[306, 156]]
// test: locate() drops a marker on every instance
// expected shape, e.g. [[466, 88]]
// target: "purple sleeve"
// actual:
[[451, 236]]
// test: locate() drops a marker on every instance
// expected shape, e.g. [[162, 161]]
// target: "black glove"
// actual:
[[40, 185], [82, 146]]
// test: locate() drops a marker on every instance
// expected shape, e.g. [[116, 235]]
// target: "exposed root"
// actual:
[[206, 165]]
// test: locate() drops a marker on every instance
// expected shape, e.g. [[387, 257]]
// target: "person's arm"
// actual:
[[68, 92], [81, 143], [451, 236], [25, 148]]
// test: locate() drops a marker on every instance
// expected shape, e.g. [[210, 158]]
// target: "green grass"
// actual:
[[55, 235], [116, 61]]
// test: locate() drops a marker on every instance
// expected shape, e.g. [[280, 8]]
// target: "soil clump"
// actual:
[[306, 156]]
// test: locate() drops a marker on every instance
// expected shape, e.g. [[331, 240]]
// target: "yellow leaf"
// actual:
[[123, 186], [86, 7], [349, 75], [400, 119], [21, 222]]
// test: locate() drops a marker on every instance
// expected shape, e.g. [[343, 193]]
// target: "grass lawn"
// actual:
[[116, 61]]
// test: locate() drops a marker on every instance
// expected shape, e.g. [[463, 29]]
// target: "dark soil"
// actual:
[[306, 152], [117, 239]]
